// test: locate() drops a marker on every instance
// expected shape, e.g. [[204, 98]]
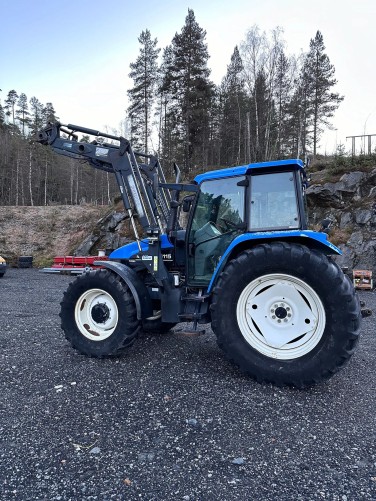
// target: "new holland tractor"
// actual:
[[280, 307]]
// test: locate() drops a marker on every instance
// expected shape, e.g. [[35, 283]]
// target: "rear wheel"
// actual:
[[285, 314], [98, 314]]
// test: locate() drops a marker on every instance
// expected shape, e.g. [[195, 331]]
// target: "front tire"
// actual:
[[98, 314], [285, 314]]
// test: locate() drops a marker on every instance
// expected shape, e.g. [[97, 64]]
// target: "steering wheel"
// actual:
[[228, 223], [214, 225]]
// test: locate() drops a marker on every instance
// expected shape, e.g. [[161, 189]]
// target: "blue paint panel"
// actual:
[[321, 238], [245, 169], [129, 250]]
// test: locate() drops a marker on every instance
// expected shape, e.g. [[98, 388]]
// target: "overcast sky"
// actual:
[[76, 54]]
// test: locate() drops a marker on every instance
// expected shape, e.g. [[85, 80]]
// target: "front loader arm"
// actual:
[[136, 189], [143, 186], [95, 153]]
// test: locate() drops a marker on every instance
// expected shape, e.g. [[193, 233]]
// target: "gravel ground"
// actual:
[[172, 420]]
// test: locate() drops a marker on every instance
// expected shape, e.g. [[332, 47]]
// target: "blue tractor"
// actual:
[[280, 307]]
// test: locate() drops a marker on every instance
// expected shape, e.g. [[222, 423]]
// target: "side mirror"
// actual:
[[187, 203]]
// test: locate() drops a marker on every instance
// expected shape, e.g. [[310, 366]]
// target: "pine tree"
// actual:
[[170, 132], [36, 115], [262, 120], [234, 102], [10, 104], [22, 112], [2, 117], [321, 72], [283, 92], [142, 96], [49, 114], [191, 90]]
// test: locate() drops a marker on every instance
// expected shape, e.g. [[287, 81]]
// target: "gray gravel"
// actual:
[[172, 420]]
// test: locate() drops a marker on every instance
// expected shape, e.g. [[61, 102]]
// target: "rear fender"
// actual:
[[136, 286], [309, 238]]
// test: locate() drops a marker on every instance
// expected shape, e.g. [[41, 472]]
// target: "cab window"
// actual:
[[217, 220], [273, 202]]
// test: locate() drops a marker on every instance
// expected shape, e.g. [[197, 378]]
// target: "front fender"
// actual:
[[137, 287], [309, 238]]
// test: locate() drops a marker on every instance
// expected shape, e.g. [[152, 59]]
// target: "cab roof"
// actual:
[[246, 169]]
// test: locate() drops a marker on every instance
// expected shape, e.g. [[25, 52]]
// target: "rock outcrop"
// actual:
[[350, 204], [109, 233]]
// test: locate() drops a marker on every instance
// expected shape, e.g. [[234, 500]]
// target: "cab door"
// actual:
[[218, 217]]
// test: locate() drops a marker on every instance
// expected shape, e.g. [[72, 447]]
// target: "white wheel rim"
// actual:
[[96, 314], [280, 316]]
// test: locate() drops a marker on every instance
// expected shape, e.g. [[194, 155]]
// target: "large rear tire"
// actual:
[[98, 314], [285, 314]]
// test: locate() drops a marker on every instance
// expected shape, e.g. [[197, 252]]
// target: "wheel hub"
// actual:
[[100, 313], [281, 312], [96, 314]]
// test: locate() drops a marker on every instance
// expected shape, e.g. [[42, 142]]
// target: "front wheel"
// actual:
[[285, 314], [98, 314]]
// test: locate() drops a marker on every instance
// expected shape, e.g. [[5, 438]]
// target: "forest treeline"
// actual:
[[270, 105]]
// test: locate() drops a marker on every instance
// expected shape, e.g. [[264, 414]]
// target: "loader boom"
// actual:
[[140, 184]]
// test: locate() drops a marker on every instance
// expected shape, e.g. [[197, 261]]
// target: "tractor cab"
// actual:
[[256, 198]]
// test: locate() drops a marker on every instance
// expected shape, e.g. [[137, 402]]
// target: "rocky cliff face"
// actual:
[[350, 203]]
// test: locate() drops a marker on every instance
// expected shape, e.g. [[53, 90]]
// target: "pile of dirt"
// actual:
[[46, 232]]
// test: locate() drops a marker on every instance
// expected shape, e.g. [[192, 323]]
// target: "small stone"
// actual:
[[95, 450], [192, 422], [146, 456], [238, 461], [362, 464]]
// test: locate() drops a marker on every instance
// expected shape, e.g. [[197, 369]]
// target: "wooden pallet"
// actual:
[[362, 279]]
